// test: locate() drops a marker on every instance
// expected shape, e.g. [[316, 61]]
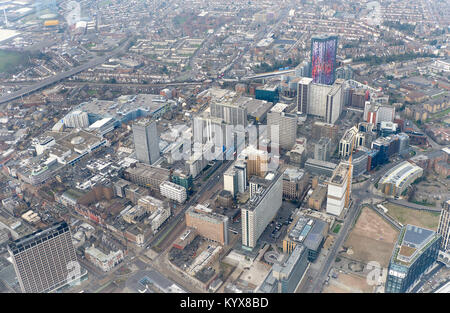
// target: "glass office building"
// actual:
[[415, 252]]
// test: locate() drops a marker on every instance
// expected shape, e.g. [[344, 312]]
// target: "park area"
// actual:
[[404, 215], [371, 239], [10, 60]]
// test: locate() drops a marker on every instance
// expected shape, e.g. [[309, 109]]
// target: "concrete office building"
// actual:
[[257, 213], [105, 262], [147, 176], [376, 113], [241, 171], [337, 189], [444, 226], [77, 119], [213, 129], [297, 156], [322, 149], [230, 109], [208, 224], [317, 167], [146, 141], [321, 129], [42, 260], [230, 181], [173, 191], [303, 94], [290, 272], [415, 252], [294, 183], [317, 198], [287, 126], [334, 102], [308, 232], [324, 101], [257, 161]]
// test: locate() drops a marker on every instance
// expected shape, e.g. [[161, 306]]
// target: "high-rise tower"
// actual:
[[146, 141], [323, 59], [44, 260]]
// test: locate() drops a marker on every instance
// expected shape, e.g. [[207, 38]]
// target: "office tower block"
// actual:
[[338, 187], [323, 59], [146, 141], [257, 161], [320, 100], [334, 102], [77, 119], [286, 133], [44, 260], [230, 181], [444, 226], [303, 94], [241, 172], [320, 129], [322, 149], [262, 207], [414, 253], [230, 110]]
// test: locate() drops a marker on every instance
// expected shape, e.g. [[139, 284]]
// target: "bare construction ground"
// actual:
[[404, 215], [372, 238], [346, 283]]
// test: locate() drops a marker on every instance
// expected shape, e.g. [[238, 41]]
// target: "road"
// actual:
[[358, 195], [63, 75], [325, 269], [208, 185]]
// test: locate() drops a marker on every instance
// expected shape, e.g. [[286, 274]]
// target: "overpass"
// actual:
[[60, 76], [268, 74]]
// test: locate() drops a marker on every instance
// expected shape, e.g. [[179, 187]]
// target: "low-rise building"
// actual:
[[395, 181], [104, 261], [173, 192], [208, 224]]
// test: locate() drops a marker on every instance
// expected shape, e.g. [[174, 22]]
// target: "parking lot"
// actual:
[[276, 230]]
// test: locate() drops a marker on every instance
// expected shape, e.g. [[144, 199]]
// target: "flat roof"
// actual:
[[39, 236]]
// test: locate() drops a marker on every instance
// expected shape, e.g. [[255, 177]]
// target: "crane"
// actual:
[[347, 192]]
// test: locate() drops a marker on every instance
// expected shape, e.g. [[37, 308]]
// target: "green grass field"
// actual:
[[337, 228], [10, 60], [406, 215]]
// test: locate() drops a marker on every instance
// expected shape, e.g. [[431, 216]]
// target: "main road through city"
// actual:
[[210, 183]]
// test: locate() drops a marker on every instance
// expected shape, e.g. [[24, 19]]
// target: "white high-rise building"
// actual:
[[257, 213], [230, 181], [337, 189], [324, 101], [287, 126], [77, 119]]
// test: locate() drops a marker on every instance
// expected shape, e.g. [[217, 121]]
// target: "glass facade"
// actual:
[[403, 275]]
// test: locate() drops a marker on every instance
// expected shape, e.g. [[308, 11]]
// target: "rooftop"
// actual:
[[413, 240], [37, 237]]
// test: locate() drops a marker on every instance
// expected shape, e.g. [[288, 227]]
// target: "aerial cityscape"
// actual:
[[209, 147]]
